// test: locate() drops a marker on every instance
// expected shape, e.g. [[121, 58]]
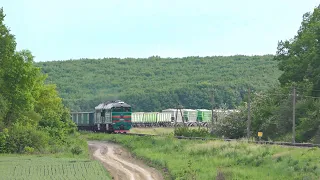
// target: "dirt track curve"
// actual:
[[120, 164]]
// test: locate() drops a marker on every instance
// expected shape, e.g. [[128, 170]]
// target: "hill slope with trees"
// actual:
[[154, 83]]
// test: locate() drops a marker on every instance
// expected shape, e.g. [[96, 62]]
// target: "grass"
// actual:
[[37, 167], [155, 131], [186, 159]]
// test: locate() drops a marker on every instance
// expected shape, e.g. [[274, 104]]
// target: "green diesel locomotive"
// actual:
[[111, 117]]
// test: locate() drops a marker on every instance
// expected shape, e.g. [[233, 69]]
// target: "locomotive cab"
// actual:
[[113, 116]]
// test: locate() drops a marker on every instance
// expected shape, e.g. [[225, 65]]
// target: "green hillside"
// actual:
[[155, 83]]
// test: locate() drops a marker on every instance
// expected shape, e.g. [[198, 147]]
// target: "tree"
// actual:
[[32, 114], [299, 58]]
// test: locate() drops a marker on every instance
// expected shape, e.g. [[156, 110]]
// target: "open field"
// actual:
[[212, 159], [36, 167]]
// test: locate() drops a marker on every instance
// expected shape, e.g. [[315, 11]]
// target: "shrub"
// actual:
[[21, 136], [28, 150], [76, 150], [233, 126], [187, 132]]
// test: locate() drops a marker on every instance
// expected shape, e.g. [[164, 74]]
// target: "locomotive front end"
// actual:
[[121, 117]]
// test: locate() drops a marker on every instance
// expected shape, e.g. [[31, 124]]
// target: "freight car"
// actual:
[[111, 116], [151, 119]]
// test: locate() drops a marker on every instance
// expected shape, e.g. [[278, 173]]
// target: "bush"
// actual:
[[187, 132], [233, 127], [21, 136], [28, 150], [3, 139], [76, 150]]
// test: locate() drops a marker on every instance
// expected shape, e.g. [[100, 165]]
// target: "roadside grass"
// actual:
[[193, 159]]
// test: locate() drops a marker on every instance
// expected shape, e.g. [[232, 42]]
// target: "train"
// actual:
[[110, 116], [117, 117]]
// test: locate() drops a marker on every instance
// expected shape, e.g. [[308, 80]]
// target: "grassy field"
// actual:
[[37, 167], [185, 159], [153, 131], [156, 131], [58, 164]]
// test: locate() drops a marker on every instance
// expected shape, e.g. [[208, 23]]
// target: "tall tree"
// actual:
[[299, 58]]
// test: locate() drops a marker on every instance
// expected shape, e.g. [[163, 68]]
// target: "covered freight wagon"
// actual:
[[84, 120]]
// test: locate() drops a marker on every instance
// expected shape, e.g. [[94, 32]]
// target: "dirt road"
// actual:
[[120, 164]]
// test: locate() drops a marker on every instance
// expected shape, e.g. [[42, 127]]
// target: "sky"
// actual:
[[73, 29]]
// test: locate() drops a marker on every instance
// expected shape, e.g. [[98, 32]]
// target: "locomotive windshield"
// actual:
[[122, 109]]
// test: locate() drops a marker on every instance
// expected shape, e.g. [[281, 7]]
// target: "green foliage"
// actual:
[[3, 140], [19, 137], [32, 115], [185, 159], [28, 150], [154, 83], [232, 126], [272, 111], [299, 58], [188, 132], [76, 150]]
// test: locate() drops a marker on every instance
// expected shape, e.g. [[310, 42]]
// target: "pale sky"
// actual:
[[72, 29]]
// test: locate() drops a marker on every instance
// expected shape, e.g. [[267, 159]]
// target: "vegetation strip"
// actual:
[[183, 159], [238, 140]]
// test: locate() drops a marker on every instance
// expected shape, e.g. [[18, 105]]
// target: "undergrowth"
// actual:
[[192, 132]]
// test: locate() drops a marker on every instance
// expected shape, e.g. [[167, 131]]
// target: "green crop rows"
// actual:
[[31, 167]]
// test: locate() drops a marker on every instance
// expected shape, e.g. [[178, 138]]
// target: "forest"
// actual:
[[155, 83]]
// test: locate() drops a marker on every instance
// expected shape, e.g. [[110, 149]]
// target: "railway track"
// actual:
[[306, 145]]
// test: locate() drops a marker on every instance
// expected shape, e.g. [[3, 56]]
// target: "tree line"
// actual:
[[32, 115], [155, 83]]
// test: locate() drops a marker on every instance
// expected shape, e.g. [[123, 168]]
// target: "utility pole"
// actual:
[[294, 116], [212, 105], [249, 118]]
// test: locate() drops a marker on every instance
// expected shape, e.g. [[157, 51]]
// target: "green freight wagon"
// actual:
[[204, 115], [149, 117], [137, 117], [189, 115], [164, 119], [143, 119]]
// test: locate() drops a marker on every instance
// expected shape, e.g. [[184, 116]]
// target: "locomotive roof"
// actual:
[[111, 104]]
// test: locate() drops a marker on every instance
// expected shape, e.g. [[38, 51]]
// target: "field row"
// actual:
[[31, 167]]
